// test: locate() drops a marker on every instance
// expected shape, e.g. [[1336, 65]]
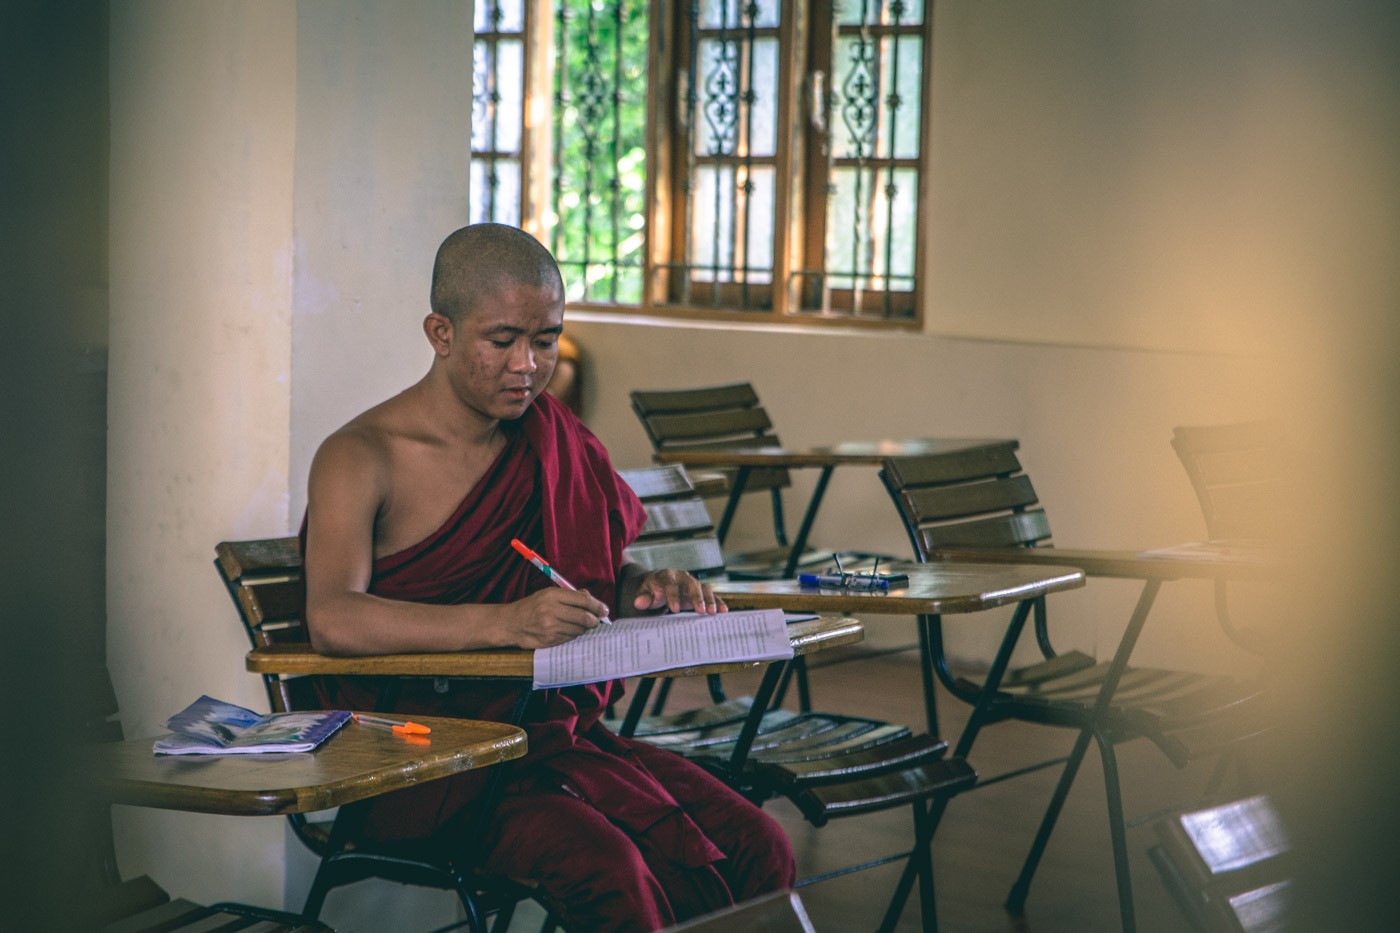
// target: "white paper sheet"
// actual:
[[647, 644]]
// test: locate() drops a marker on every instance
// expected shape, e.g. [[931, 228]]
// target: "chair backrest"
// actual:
[[1239, 472], [678, 531], [968, 498], [264, 579], [710, 418]]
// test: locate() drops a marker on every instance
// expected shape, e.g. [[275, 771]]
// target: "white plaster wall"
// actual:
[[1094, 426], [383, 142], [202, 146]]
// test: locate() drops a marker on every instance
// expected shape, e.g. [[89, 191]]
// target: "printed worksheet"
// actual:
[[647, 644]]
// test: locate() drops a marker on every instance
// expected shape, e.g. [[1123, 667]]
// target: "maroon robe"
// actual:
[[621, 834]]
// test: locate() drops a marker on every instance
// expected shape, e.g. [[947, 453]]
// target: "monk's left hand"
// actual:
[[676, 590]]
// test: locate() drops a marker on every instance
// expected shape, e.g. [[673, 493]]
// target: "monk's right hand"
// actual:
[[551, 617]]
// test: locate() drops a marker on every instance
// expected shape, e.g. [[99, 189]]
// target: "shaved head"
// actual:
[[476, 262]]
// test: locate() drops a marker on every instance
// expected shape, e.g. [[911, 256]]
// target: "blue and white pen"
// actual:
[[842, 581], [548, 571]]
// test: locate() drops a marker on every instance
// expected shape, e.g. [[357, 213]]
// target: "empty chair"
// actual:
[[982, 500], [724, 418], [828, 764]]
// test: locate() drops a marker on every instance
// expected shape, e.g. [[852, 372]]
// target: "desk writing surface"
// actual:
[[942, 588], [846, 452], [358, 762], [518, 663], [1110, 563]]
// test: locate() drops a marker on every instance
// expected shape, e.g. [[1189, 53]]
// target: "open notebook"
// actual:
[[646, 644]]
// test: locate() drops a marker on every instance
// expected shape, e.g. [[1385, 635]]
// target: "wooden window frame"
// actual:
[[800, 167]]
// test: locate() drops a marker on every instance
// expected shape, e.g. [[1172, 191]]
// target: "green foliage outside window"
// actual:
[[597, 227]]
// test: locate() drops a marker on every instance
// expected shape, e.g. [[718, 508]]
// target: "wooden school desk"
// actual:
[[932, 590], [358, 762], [826, 459]]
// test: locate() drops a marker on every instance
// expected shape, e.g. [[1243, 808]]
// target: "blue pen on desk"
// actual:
[[842, 581], [544, 568]]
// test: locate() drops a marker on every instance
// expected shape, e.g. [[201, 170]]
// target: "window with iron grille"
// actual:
[[731, 159]]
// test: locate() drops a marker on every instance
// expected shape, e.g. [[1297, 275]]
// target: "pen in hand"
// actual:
[[547, 570]]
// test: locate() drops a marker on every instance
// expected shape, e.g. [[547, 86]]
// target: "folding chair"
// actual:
[[828, 764], [982, 500], [719, 418]]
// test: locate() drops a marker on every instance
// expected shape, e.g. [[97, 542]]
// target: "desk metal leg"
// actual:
[[924, 834], [799, 544], [736, 489], [1016, 900]]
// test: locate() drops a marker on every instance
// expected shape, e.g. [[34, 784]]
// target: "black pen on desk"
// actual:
[[400, 726], [548, 571]]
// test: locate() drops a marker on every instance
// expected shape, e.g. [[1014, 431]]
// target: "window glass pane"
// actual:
[[729, 72], [871, 236], [510, 88], [712, 213], [732, 225], [483, 95], [717, 104], [756, 214], [732, 14], [856, 103], [905, 64], [596, 219], [499, 16], [495, 191], [763, 112], [875, 12]]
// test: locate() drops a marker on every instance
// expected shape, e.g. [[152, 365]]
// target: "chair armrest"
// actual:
[[1108, 563], [516, 663]]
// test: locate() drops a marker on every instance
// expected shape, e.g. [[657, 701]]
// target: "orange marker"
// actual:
[[402, 728]]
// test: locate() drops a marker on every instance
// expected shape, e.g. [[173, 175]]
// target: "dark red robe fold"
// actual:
[[554, 488]]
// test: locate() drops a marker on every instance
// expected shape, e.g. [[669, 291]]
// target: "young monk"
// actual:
[[412, 507]]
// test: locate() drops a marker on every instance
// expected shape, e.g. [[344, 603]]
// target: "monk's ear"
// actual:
[[440, 332]]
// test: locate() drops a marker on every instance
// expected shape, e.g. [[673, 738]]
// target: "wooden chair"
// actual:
[[1240, 475], [982, 499], [779, 912], [719, 418], [264, 579], [1228, 866], [828, 764]]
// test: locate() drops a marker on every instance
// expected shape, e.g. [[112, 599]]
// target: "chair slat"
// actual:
[[942, 503], [739, 423], [659, 481], [700, 556], [237, 559], [270, 600], [736, 395], [687, 516], [955, 467], [1003, 531]]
